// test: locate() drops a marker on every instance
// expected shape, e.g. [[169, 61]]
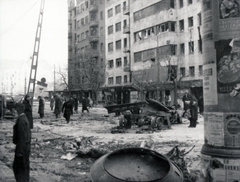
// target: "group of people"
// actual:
[[69, 106], [24, 124]]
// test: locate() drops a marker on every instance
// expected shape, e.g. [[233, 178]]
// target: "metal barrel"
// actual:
[[135, 164]]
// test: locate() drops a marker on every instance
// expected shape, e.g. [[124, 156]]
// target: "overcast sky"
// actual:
[[18, 25]]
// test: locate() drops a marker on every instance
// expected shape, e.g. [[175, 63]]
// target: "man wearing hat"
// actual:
[[22, 140], [28, 110]]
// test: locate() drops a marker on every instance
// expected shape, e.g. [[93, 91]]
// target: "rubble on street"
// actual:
[[66, 152]]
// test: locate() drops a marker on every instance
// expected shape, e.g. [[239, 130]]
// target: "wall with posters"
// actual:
[[221, 48]]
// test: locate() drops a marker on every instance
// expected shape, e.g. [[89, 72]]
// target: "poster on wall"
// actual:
[[228, 19], [228, 64]]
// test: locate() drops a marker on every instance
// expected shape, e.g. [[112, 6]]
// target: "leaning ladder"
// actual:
[[33, 71]]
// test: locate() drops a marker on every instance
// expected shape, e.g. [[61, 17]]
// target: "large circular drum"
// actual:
[[135, 164]]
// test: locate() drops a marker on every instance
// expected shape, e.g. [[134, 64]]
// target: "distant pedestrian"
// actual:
[[200, 104], [67, 109], [168, 100], [41, 106], [22, 140], [28, 110], [186, 103], [52, 103], [90, 102], [75, 104], [84, 105], [193, 110], [58, 106]]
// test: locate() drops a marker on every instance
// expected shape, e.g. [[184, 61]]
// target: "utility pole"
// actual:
[[221, 44], [54, 81], [158, 74]]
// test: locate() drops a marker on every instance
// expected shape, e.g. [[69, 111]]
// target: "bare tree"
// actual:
[[63, 80], [92, 72], [140, 82]]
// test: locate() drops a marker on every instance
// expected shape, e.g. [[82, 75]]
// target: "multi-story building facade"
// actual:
[[168, 31], [85, 39], [117, 36], [147, 40]]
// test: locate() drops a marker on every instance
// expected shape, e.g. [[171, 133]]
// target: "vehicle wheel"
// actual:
[[160, 123]]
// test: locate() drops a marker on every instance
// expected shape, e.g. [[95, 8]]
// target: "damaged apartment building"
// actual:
[[147, 49]]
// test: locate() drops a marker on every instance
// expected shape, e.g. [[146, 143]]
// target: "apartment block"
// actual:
[[86, 22], [142, 44]]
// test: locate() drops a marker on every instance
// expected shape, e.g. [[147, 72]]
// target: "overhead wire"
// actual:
[[18, 20]]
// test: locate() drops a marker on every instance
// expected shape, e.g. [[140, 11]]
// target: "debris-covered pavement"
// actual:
[[65, 152]]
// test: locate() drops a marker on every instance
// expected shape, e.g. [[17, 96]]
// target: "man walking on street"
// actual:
[[84, 105], [22, 140], [67, 109], [52, 103], [58, 106], [41, 107], [75, 104]]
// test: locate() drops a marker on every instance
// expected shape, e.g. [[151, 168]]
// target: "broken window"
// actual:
[[182, 48], [190, 22], [110, 81], [182, 71], [191, 71], [118, 44], [118, 79], [181, 25], [110, 64], [118, 62], [191, 47]]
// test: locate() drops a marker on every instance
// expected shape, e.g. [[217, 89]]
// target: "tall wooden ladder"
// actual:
[[33, 71]]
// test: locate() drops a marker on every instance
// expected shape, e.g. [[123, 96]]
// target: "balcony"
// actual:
[[126, 10], [126, 29], [126, 49], [93, 38], [94, 53], [93, 23], [126, 68], [93, 8], [69, 35]]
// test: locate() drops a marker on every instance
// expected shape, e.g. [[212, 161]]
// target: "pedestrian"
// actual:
[[200, 104], [186, 103], [58, 106], [52, 103], [22, 140], [72, 102], [41, 106], [75, 104], [28, 110], [84, 105], [90, 102], [193, 110], [67, 109], [168, 100]]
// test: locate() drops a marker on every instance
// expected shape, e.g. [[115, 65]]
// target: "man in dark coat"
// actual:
[[41, 107], [58, 106], [75, 104], [186, 103], [84, 105], [22, 140], [193, 110], [52, 103], [28, 110], [67, 109]]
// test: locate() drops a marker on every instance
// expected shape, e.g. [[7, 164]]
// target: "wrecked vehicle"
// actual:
[[150, 113]]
